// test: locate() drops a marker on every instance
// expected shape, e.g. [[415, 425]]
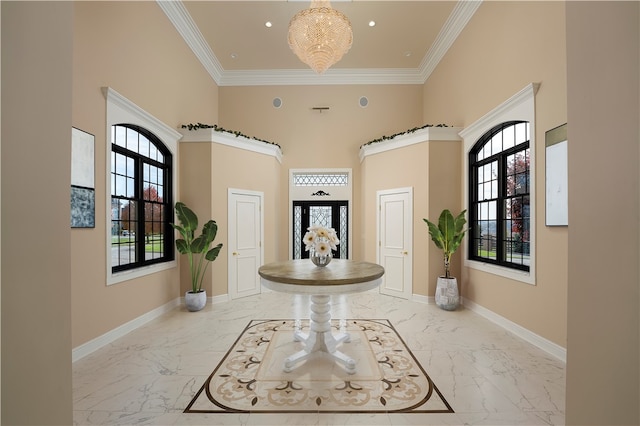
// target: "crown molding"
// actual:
[[306, 77], [460, 16], [180, 18], [186, 27]]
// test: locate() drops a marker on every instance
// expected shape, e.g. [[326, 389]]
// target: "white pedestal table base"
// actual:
[[320, 338], [341, 276]]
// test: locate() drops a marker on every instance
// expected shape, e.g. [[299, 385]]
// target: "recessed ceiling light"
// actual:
[[407, 53], [372, 23], [234, 55], [268, 24]]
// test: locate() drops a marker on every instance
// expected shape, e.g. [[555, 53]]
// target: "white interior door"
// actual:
[[395, 241], [244, 242]]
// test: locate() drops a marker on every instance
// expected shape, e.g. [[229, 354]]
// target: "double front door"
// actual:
[[330, 214]]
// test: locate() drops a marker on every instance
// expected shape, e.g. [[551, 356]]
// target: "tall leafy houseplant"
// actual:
[[197, 249], [448, 235]]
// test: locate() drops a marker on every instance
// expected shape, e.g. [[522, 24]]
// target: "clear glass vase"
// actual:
[[319, 260]]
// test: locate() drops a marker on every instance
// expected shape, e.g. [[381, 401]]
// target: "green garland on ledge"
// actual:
[[415, 129], [217, 128]]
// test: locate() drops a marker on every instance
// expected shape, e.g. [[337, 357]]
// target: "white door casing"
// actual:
[[244, 242], [395, 241]]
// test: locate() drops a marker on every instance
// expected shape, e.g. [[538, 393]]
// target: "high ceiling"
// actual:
[[233, 42]]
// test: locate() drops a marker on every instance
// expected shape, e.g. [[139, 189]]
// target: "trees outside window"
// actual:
[[141, 205], [499, 196]]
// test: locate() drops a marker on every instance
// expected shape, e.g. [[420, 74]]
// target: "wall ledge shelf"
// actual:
[[223, 138], [423, 135]]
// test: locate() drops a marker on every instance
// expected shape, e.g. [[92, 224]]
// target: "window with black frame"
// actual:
[[141, 205], [499, 197]]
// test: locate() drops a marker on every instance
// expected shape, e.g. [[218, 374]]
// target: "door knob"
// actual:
[[235, 253]]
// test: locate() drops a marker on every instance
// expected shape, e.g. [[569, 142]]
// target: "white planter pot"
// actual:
[[195, 301], [447, 295]]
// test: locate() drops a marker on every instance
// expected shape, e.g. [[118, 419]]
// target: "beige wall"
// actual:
[[445, 189], [312, 139], [228, 167], [506, 46], [404, 167], [36, 163], [603, 377], [423, 167], [196, 193], [235, 168], [152, 66]]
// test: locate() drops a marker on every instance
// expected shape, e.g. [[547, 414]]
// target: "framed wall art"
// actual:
[[557, 177], [83, 193]]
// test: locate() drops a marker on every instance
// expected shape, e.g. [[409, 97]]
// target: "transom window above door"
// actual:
[[320, 179]]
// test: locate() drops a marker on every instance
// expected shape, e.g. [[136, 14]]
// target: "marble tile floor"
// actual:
[[488, 375]]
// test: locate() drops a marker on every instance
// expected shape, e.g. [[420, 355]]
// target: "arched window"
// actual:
[[150, 165], [499, 196], [141, 199]]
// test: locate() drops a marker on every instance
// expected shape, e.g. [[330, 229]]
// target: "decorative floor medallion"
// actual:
[[388, 378]]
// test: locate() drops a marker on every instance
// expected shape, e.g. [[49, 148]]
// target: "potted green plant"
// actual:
[[198, 250], [447, 236]]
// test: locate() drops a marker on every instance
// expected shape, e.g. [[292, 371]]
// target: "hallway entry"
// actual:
[[320, 197]]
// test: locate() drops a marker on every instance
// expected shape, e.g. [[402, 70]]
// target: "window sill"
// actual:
[[513, 274], [118, 277]]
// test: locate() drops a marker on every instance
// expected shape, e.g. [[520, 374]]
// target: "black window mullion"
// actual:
[[473, 205], [138, 221], [167, 199], [139, 235], [503, 232], [501, 217]]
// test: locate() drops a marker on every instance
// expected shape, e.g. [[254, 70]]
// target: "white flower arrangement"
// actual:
[[322, 240]]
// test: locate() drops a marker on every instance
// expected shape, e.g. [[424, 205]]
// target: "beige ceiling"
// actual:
[[232, 42], [403, 33]]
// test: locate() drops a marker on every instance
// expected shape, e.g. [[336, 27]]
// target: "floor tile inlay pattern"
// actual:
[[487, 374], [388, 378]]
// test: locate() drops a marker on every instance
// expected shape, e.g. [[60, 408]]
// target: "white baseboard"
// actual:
[[546, 345], [85, 349], [429, 300], [211, 299], [219, 299]]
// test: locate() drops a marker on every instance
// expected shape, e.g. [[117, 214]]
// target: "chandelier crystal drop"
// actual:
[[320, 35]]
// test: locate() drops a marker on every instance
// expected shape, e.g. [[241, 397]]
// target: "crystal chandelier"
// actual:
[[320, 35]]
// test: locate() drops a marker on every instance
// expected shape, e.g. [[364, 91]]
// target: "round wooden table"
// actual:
[[301, 276]]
